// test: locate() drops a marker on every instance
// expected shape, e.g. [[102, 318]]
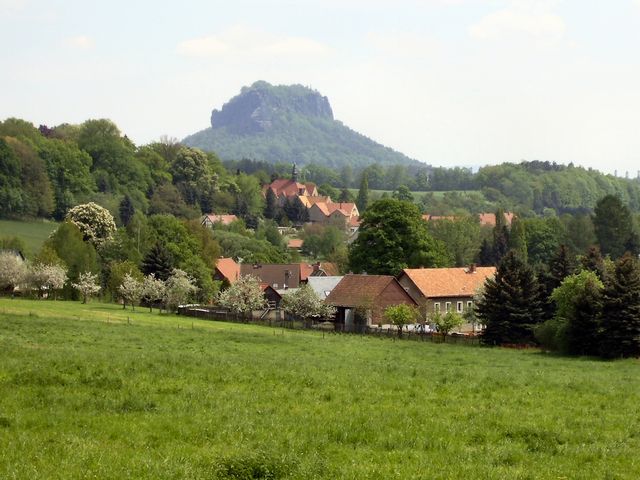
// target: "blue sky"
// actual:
[[449, 82]]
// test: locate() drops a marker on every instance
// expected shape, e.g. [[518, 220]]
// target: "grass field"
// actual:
[[85, 394], [417, 196], [33, 233]]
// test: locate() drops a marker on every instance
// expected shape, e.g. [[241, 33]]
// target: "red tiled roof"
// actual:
[[364, 290], [228, 268], [490, 218], [295, 243], [289, 188], [345, 209], [448, 282], [354, 222], [274, 273]]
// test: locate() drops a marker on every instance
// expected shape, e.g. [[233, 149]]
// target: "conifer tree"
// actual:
[[485, 256], [362, 202], [126, 210], [271, 208], [562, 265], [345, 196], [500, 237], [583, 327], [518, 239], [159, 262], [546, 284], [594, 262], [510, 306], [621, 311]]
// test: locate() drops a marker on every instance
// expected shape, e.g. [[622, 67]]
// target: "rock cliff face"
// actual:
[[288, 123], [255, 109]]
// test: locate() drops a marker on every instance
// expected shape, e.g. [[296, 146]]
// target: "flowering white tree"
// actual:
[[94, 221], [130, 291], [180, 289], [153, 290], [87, 285], [244, 296], [305, 303], [49, 278], [13, 271]]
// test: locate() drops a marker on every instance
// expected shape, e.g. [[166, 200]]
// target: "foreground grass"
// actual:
[[86, 393], [33, 233]]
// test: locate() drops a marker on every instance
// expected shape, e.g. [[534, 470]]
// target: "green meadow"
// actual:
[[417, 196], [32, 233], [93, 391]]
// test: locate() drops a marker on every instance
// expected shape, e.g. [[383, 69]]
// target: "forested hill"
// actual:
[[288, 124]]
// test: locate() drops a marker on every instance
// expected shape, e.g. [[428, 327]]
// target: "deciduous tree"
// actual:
[[447, 323], [130, 291], [401, 315], [87, 285], [613, 226], [95, 222], [180, 289], [153, 291], [393, 236], [243, 296]]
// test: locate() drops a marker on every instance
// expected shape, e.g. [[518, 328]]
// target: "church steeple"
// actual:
[[294, 173]]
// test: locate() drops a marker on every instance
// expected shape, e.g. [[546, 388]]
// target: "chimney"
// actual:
[[316, 267], [472, 268]]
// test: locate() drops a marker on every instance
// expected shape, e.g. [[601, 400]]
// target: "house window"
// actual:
[[459, 307], [447, 307], [275, 285], [469, 305], [436, 307]]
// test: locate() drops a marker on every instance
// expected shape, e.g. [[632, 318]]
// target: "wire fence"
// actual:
[[280, 319]]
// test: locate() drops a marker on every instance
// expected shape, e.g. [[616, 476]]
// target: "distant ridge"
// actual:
[[288, 123]]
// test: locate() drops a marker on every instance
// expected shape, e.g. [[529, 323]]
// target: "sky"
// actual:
[[448, 82]]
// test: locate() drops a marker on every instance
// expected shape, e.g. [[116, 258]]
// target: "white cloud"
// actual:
[[528, 18], [242, 41], [12, 5], [403, 44], [81, 42]]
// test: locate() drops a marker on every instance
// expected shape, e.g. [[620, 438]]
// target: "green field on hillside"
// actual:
[[33, 233], [84, 393], [417, 196]]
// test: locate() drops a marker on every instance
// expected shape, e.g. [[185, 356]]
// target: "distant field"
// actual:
[[34, 233], [416, 195], [86, 394]]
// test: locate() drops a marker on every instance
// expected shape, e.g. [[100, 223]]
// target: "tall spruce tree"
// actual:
[[271, 208], [518, 238], [546, 284], [562, 265], [485, 256], [510, 306], [594, 262], [362, 202], [583, 327], [500, 237], [126, 210], [621, 311], [159, 262]]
